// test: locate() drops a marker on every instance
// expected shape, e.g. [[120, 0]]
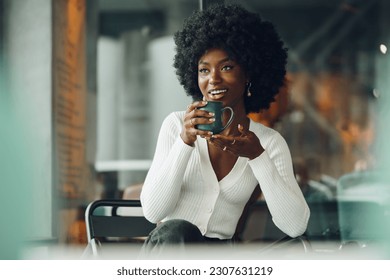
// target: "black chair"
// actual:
[[115, 220]]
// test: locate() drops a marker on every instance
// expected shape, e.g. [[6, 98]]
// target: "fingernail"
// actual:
[[211, 114], [212, 120]]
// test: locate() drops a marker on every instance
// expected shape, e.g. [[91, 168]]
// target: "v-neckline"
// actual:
[[208, 170]]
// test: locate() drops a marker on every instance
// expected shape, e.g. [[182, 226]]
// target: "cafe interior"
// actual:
[[86, 84]]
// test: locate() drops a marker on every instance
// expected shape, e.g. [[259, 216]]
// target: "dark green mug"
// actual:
[[217, 108]]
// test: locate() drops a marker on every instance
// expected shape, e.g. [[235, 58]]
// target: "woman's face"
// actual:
[[221, 78]]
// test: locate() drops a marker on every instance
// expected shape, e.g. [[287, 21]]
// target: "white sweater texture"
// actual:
[[181, 184]]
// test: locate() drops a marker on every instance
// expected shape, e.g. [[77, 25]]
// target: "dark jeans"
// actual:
[[172, 236]]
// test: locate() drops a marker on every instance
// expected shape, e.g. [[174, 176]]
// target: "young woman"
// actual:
[[199, 183]]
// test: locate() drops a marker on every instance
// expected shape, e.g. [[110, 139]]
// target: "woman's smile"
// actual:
[[216, 94]]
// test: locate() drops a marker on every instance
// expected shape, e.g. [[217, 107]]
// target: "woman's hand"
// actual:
[[245, 145], [193, 117]]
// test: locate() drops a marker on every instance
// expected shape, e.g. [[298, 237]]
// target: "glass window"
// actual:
[[330, 111]]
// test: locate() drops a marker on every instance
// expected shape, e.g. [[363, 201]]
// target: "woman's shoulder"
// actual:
[[270, 138], [265, 133], [176, 116], [174, 119], [261, 128]]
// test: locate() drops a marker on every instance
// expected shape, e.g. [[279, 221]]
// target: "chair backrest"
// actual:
[[115, 219]]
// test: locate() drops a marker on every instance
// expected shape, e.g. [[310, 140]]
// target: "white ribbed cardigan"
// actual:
[[181, 184]]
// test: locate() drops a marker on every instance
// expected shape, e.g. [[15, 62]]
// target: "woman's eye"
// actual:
[[203, 70], [227, 67]]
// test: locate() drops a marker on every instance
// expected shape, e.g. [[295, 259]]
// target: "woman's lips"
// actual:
[[217, 93]]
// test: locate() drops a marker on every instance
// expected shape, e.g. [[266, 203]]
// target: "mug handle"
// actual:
[[231, 117]]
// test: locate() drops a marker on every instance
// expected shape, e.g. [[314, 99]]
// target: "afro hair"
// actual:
[[248, 39]]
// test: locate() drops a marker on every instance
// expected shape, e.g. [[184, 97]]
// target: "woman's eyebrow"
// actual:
[[221, 61]]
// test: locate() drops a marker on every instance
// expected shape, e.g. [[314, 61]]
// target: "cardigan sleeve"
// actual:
[[163, 182], [274, 172]]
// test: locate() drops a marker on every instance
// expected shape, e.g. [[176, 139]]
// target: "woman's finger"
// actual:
[[226, 143], [196, 104], [242, 130]]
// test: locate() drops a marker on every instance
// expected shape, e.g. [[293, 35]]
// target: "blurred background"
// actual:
[[86, 84]]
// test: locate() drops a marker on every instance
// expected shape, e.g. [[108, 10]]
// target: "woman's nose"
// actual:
[[215, 77]]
